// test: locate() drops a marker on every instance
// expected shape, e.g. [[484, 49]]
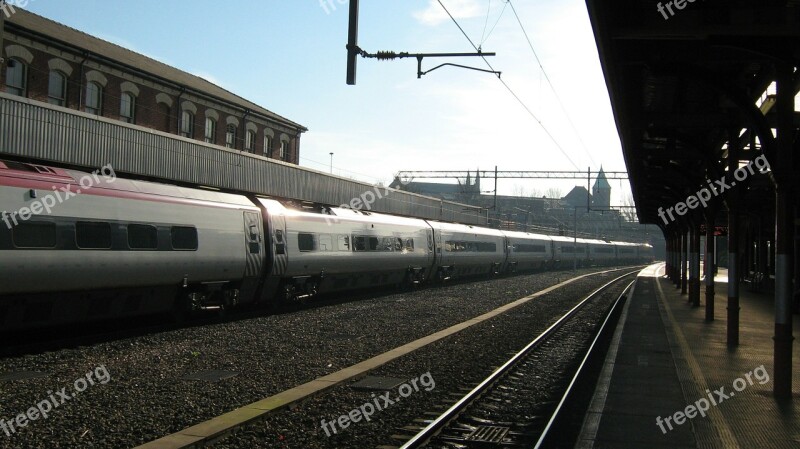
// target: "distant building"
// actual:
[[46, 61], [577, 197], [601, 192]]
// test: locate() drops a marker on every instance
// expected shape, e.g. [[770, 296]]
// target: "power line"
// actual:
[[552, 87], [552, 138], [485, 36]]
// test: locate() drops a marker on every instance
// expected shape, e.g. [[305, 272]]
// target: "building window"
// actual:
[[230, 136], [16, 77], [94, 99], [57, 88], [211, 130], [268, 146], [284, 150], [187, 124], [250, 142], [127, 108]]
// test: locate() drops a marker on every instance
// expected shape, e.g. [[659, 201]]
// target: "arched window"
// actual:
[[250, 142], [127, 107], [211, 130], [57, 88], [187, 124], [284, 150], [268, 146], [16, 77], [94, 98], [230, 136]]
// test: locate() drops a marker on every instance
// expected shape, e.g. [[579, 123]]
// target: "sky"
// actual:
[[289, 56]]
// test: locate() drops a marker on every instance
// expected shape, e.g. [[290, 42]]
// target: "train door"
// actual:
[[279, 245], [254, 240]]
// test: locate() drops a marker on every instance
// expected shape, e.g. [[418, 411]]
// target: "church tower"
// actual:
[[601, 192]]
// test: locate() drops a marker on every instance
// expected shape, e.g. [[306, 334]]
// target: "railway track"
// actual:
[[513, 407]]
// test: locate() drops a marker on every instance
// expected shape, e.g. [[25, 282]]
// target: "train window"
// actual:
[[398, 244], [343, 243], [487, 247], [325, 243], [34, 235], [529, 248], [184, 238], [387, 244], [305, 242], [409, 244], [280, 247], [142, 237], [93, 235], [373, 243], [359, 243]]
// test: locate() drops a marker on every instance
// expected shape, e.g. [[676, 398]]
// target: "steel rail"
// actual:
[[426, 434]]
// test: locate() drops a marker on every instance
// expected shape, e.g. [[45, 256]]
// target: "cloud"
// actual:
[[434, 14]]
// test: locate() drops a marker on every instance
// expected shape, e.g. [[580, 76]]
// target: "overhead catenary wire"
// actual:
[[552, 87], [510, 90], [485, 36]]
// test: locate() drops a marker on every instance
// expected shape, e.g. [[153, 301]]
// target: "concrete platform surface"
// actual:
[[671, 381]]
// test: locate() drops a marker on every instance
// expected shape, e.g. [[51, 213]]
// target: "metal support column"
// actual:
[[694, 266], [671, 258], [733, 244], [684, 242], [708, 265], [784, 236]]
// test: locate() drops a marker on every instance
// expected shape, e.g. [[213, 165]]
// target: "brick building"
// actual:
[[46, 61]]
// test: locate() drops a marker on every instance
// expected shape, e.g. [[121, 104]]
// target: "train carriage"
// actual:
[[528, 251], [568, 251], [601, 252], [465, 250], [112, 247], [345, 249]]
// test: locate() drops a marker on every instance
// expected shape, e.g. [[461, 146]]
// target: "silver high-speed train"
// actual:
[[77, 247]]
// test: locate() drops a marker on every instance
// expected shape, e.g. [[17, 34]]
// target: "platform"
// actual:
[[665, 357]]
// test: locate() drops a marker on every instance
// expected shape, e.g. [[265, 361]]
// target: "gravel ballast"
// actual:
[[139, 392]]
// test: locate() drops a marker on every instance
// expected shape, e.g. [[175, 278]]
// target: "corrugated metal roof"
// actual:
[[75, 38]]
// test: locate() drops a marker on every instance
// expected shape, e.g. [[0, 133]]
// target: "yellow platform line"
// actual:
[[720, 423], [218, 426]]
